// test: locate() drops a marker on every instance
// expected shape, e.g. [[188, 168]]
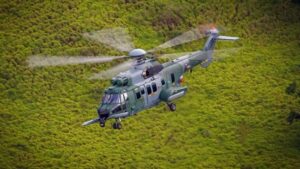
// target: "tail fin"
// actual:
[[210, 44], [214, 36]]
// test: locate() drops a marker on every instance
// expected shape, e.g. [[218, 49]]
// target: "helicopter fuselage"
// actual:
[[145, 85]]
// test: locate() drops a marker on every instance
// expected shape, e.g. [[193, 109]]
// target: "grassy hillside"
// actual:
[[234, 115]]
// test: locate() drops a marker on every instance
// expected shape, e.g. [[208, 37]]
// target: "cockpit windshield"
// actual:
[[114, 98]]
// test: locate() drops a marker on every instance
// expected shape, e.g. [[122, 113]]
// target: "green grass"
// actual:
[[234, 115]]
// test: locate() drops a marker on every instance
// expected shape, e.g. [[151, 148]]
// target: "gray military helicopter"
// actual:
[[142, 82]]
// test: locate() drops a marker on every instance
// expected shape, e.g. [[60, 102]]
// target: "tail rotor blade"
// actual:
[[117, 38], [44, 61]]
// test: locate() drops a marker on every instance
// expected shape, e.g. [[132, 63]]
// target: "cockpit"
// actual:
[[113, 103]]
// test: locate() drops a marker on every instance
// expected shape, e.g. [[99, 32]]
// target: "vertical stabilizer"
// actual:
[[210, 44], [211, 41], [213, 37]]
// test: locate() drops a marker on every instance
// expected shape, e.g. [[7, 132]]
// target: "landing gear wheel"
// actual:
[[102, 124], [172, 106], [117, 124]]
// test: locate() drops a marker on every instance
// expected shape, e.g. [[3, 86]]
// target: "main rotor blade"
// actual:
[[174, 55], [113, 71], [218, 54], [191, 35], [42, 61], [117, 38]]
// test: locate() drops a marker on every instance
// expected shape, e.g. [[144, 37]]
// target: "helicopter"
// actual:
[[142, 82]]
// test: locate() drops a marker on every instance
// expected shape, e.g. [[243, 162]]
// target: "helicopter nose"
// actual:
[[103, 113]]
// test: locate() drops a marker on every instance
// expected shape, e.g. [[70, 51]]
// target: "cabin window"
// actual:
[[154, 87], [142, 91], [163, 82], [172, 77], [149, 91], [138, 95]]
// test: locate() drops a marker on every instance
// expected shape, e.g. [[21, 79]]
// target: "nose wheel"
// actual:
[[172, 106], [102, 122], [117, 124]]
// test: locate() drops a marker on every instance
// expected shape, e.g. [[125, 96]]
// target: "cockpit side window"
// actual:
[[117, 109], [172, 77], [138, 95]]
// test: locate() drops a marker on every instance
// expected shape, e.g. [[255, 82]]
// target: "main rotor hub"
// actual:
[[213, 31], [137, 53]]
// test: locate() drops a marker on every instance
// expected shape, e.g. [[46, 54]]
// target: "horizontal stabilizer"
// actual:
[[90, 122], [227, 38]]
